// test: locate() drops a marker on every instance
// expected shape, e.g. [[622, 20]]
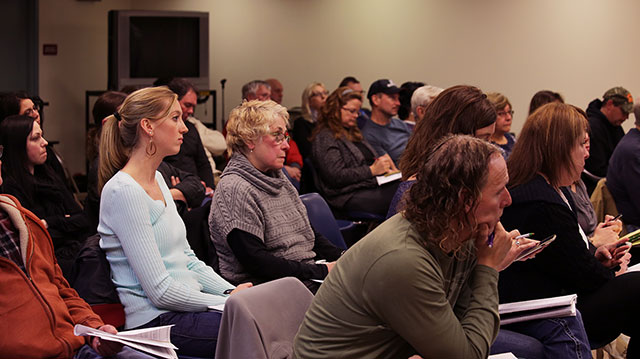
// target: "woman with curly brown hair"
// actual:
[[429, 273], [346, 164]]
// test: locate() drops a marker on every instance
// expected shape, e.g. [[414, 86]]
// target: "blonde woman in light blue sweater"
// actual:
[[158, 278]]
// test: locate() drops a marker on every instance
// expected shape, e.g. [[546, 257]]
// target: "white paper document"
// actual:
[[217, 308], [154, 341], [388, 178], [503, 356], [555, 307]]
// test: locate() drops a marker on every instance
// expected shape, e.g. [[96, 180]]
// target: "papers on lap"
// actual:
[[554, 307], [394, 176], [217, 308], [155, 341], [503, 356]]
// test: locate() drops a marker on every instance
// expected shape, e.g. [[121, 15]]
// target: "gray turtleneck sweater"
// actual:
[[249, 204]]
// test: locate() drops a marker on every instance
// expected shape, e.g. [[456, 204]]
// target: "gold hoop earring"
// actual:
[[151, 148]]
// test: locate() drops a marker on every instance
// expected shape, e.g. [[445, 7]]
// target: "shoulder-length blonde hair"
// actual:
[[250, 121], [545, 143], [306, 96], [331, 115], [120, 135]]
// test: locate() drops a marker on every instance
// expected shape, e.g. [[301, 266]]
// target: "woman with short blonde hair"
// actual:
[[258, 224]]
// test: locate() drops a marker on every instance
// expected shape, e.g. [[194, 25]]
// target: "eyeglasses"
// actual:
[[31, 111], [504, 113], [352, 111], [323, 93], [280, 136]]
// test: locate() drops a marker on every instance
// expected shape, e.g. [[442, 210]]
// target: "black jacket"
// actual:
[[604, 138], [566, 266], [192, 157]]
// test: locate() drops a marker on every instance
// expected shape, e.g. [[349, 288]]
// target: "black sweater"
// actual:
[[567, 266]]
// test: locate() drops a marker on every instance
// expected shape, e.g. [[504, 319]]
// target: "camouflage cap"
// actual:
[[622, 95]]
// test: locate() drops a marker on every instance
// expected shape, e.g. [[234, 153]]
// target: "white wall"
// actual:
[[579, 48]]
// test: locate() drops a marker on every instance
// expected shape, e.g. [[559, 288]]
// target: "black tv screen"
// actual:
[[164, 47]]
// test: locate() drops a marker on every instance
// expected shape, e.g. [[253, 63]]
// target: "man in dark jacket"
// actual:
[[605, 119]]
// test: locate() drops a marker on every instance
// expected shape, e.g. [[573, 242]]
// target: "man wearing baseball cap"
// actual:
[[383, 131], [605, 119]]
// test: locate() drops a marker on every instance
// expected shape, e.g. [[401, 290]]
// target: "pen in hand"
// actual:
[[613, 219], [526, 235], [491, 237]]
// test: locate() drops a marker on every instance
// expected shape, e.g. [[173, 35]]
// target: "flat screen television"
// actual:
[[146, 45]]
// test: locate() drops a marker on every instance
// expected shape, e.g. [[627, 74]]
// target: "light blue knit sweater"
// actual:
[[152, 266]]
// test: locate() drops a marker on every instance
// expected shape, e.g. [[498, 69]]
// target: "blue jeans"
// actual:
[[522, 346], [560, 337], [195, 334], [87, 352]]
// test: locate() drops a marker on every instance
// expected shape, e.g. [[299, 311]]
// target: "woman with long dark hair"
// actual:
[[39, 189]]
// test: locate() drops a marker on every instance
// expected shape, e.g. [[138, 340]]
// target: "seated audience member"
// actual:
[[258, 224], [421, 97], [37, 305], [404, 111], [385, 133], [605, 122], [462, 110], [186, 189], [623, 180], [212, 140], [544, 97], [256, 90], [426, 273], [346, 164], [501, 136], [313, 98], [353, 83], [549, 156], [293, 165], [105, 105], [277, 90], [36, 186], [19, 103], [192, 157], [158, 278], [598, 233]]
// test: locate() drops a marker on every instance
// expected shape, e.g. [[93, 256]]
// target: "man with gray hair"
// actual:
[[256, 90], [421, 97], [623, 175]]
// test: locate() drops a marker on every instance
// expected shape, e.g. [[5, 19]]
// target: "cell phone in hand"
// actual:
[[538, 247]]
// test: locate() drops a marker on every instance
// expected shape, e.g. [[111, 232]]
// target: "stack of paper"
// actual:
[[555, 307], [389, 177], [155, 341], [633, 237]]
